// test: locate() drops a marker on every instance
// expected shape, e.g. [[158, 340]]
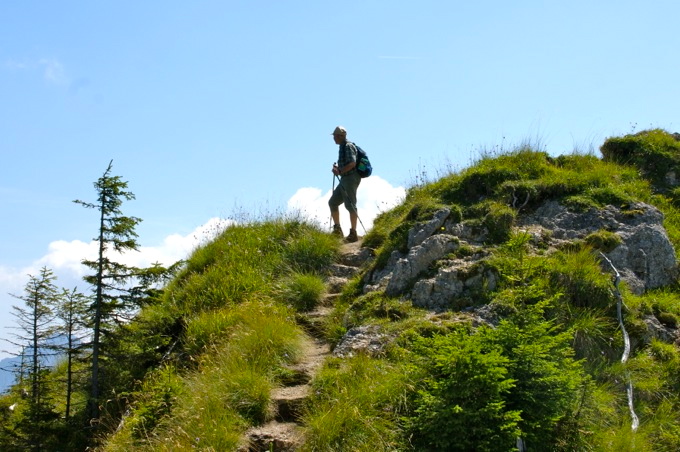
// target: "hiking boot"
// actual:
[[337, 230], [352, 237]]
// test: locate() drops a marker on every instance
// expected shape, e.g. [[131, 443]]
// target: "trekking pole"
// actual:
[[330, 221], [345, 192]]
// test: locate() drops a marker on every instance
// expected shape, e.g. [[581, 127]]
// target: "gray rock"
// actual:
[[436, 293], [466, 232], [422, 231], [645, 259], [656, 330], [378, 280], [357, 258], [343, 271], [451, 284], [646, 256], [364, 339], [418, 260]]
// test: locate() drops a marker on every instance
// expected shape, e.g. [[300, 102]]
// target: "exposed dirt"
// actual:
[[283, 433]]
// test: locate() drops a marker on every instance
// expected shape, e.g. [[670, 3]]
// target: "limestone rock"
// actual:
[[273, 436], [419, 259], [357, 258], [452, 285], [364, 339], [421, 232], [656, 330], [645, 259]]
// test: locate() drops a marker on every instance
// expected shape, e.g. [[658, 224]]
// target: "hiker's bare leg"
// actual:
[[353, 220], [335, 215]]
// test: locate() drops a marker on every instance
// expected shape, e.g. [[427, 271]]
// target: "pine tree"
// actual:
[[35, 320], [116, 234], [72, 313]]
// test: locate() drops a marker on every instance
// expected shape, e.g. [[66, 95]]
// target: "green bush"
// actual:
[[485, 389], [463, 403]]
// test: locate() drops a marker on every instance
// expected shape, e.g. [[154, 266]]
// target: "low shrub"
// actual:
[[499, 222], [577, 274], [484, 390]]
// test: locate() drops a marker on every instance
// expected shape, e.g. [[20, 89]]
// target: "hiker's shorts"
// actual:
[[346, 192]]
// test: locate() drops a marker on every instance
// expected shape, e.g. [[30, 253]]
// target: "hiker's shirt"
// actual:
[[346, 154]]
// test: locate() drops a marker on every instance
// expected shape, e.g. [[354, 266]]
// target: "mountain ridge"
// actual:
[[481, 314]]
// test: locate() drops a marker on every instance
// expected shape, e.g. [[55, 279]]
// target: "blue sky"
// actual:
[[210, 108]]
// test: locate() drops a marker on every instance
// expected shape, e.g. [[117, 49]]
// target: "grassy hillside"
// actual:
[[549, 372], [198, 364]]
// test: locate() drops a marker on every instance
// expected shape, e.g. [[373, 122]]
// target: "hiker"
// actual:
[[346, 191]]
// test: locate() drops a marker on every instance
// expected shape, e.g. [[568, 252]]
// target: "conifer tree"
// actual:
[[35, 320], [72, 312], [116, 234]]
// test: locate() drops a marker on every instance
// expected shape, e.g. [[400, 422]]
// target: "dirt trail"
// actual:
[[283, 433]]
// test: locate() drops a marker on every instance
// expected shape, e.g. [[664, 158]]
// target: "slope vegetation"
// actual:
[[481, 322]]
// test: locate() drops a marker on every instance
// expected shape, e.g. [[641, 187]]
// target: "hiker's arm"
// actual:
[[347, 167]]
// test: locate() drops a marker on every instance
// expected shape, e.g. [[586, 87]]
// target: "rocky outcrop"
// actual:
[[419, 234], [645, 258], [657, 330], [429, 274], [453, 285], [432, 278], [418, 260]]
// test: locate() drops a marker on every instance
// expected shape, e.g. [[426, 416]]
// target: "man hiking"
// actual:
[[346, 191]]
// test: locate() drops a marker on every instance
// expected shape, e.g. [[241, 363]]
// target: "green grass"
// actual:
[[226, 328], [199, 363], [302, 291], [357, 405], [230, 388]]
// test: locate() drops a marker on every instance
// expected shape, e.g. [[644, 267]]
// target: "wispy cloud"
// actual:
[[52, 70]]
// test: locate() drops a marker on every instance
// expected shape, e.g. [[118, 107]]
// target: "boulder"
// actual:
[[656, 330]]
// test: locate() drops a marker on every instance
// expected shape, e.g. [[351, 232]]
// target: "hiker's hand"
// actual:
[[336, 170]]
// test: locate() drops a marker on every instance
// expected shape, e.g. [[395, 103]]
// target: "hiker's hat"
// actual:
[[339, 131]]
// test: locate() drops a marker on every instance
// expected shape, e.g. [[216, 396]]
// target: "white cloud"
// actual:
[[375, 195], [64, 258]]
